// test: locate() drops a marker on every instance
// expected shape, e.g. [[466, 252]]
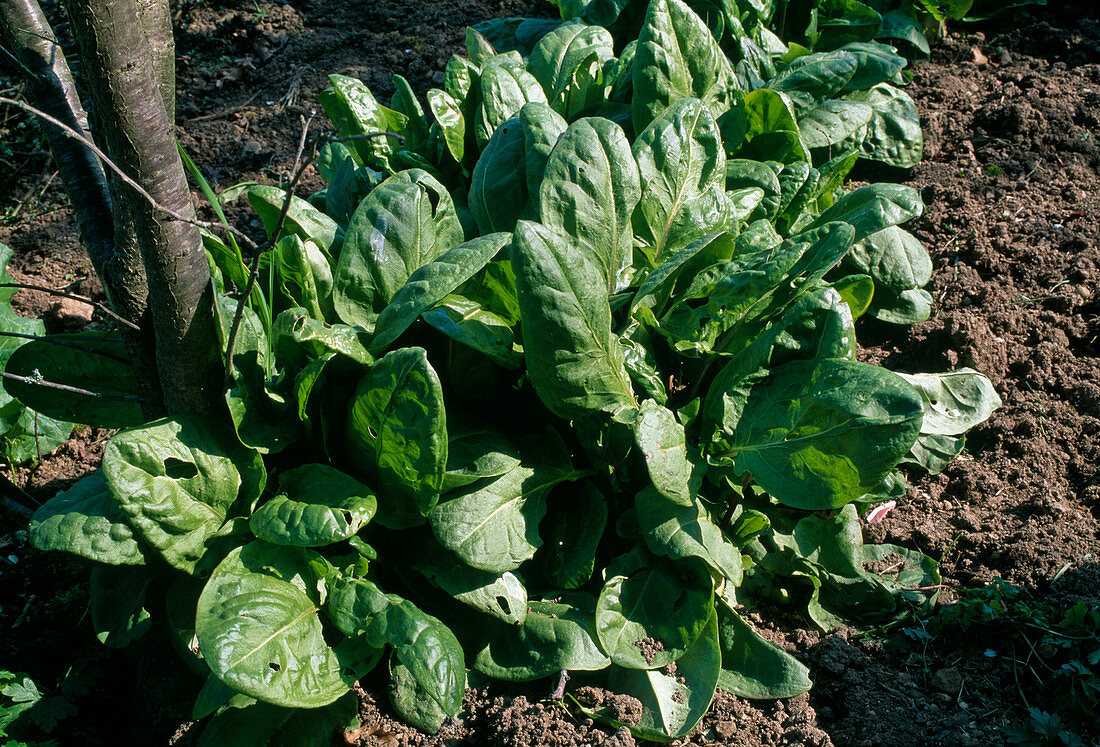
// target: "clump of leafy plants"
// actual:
[[1049, 651], [556, 376]]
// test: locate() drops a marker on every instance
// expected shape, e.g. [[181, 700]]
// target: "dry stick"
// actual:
[[74, 297], [65, 344], [254, 269], [70, 132], [36, 381]]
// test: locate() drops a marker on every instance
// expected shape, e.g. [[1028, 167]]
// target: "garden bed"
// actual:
[[1010, 178]]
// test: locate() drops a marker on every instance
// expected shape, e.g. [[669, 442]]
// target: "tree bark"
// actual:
[[126, 86], [113, 252]]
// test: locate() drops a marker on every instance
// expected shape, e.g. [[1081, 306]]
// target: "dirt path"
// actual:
[[1012, 183]]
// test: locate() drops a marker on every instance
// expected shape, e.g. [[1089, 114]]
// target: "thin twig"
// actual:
[[70, 132], [66, 344], [254, 269], [118, 318], [226, 112], [35, 381], [15, 493], [21, 511]]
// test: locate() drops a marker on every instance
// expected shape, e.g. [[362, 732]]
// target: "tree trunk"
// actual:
[[51, 88], [126, 86]]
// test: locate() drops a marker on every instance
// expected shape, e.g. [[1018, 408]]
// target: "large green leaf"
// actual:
[[682, 165], [542, 127], [478, 453], [493, 525], [815, 78], [431, 283], [406, 222], [354, 110], [573, 362], [874, 207], [397, 428], [498, 189], [833, 122], [85, 520], [954, 402], [468, 323], [673, 703], [499, 595], [661, 439], [686, 532], [302, 219], [753, 667], [424, 645], [893, 133], [504, 86], [589, 190], [555, 635], [259, 631], [316, 505], [561, 53], [651, 610], [176, 479], [451, 120], [894, 258], [118, 609], [678, 57], [89, 361], [818, 434], [573, 532]]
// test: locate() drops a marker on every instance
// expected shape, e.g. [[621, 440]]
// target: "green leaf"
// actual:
[[542, 128], [397, 428], [573, 532], [85, 520], [753, 667], [117, 594], [873, 208], [815, 78], [833, 122], [894, 258], [652, 610], [877, 63], [304, 276], [424, 645], [33, 436], [411, 701], [819, 434], [558, 56], [266, 724], [499, 595], [431, 283], [661, 440], [316, 505], [589, 191], [908, 307], [505, 86], [467, 323], [677, 532], [451, 121], [555, 635], [682, 165], [899, 26], [405, 223], [354, 110], [302, 219], [298, 340], [476, 454], [176, 479], [678, 57], [934, 452], [498, 188], [672, 704], [405, 102], [572, 360], [493, 525], [259, 631], [843, 21], [99, 364], [954, 402], [893, 133]]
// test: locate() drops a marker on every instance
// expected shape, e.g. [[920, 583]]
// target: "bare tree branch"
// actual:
[[74, 297]]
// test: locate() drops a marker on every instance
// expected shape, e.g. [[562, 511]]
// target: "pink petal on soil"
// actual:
[[878, 513]]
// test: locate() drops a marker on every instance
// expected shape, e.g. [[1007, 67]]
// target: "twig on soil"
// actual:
[[226, 112], [559, 691], [70, 132], [38, 381], [72, 296]]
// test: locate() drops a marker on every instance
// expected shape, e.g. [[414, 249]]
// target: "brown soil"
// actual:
[[1010, 180]]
